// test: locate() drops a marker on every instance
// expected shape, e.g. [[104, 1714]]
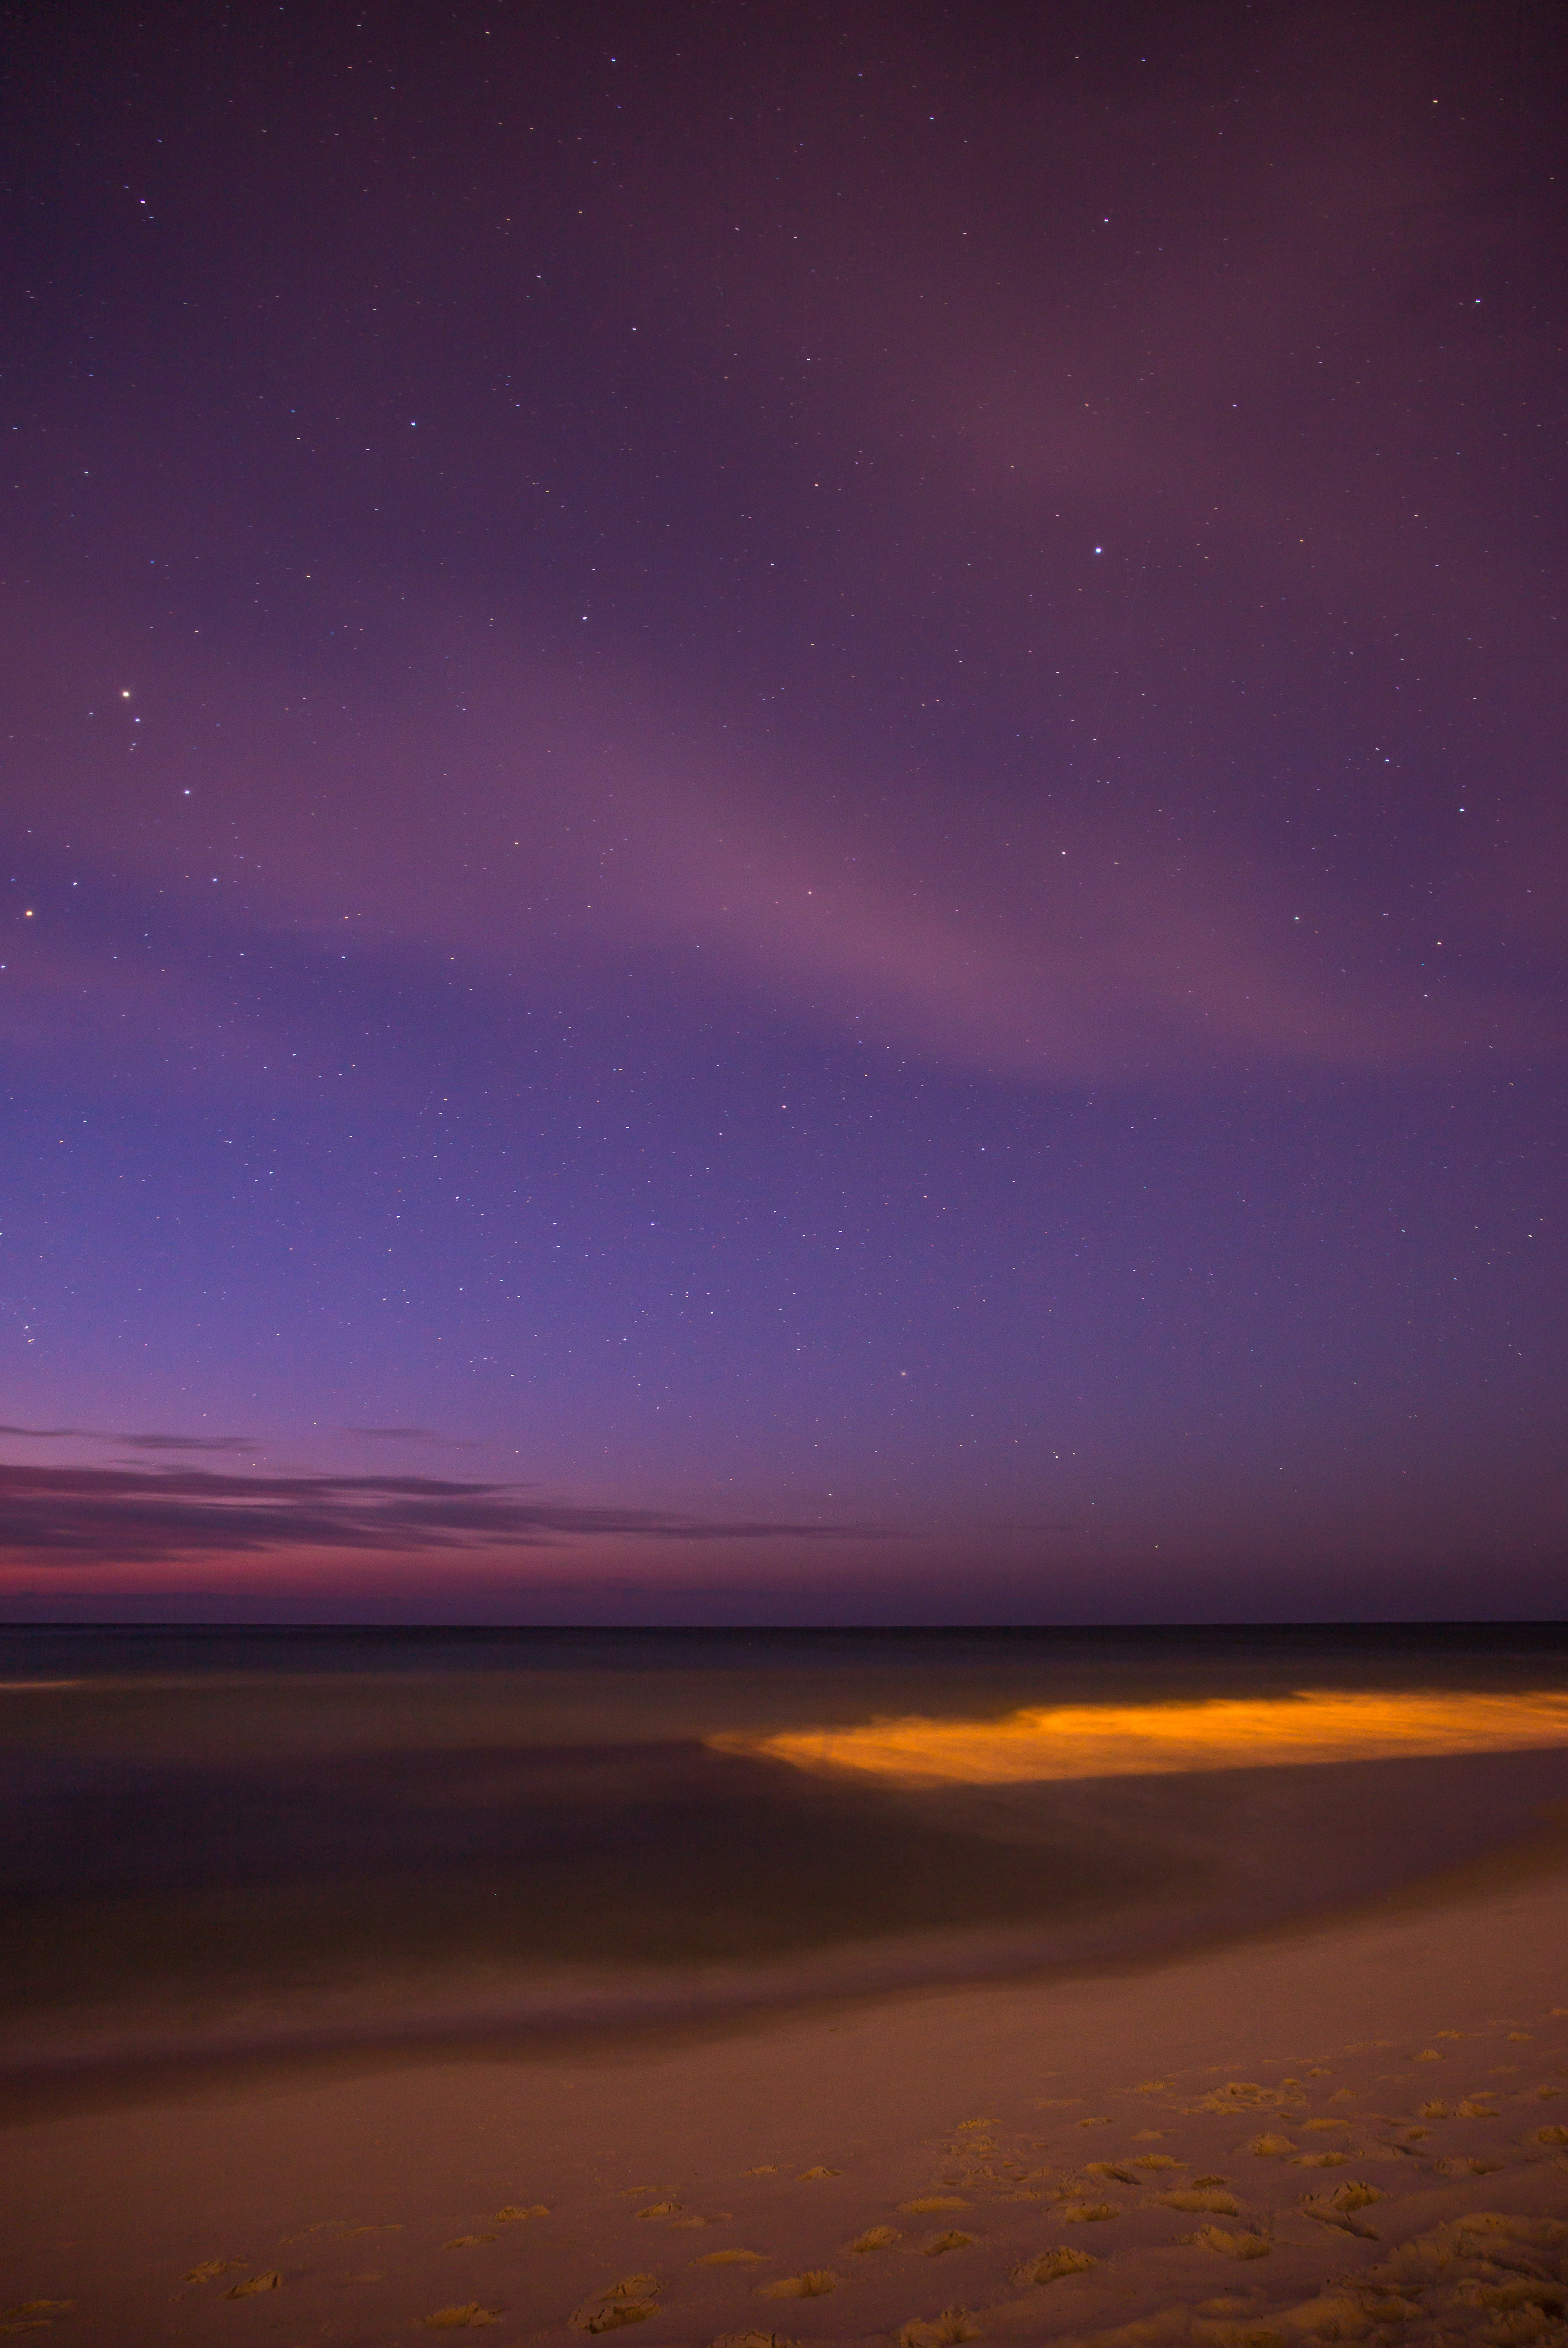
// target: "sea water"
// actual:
[[215, 1842]]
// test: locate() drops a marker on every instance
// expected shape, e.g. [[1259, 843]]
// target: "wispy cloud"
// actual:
[[107, 1515], [135, 1442]]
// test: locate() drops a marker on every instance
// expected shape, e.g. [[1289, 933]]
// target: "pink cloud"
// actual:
[[584, 816]]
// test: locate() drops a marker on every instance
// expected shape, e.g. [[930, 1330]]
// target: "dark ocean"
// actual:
[[218, 1843]]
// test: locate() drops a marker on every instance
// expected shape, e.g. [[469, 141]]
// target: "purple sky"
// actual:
[[782, 812]]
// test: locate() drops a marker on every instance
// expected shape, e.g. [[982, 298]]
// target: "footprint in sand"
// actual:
[[1050, 2266], [633, 2299], [1210, 2202], [1086, 2213], [1338, 2208], [1552, 2135], [941, 2244], [928, 2203], [34, 2314], [809, 2175], [467, 2242], [1109, 2169], [954, 2323], [1235, 2096], [461, 2319], [753, 2340], [1156, 2160], [1272, 2146], [876, 2238], [270, 2280], [510, 2213], [211, 2267], [815, 2283], [1466, 2264], [659, 2209], [729, 2259]]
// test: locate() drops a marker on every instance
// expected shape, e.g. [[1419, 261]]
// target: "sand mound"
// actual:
[[633, 2299], [815, 2282], [1050, 2266], [1232, 2245], [954, 2323]]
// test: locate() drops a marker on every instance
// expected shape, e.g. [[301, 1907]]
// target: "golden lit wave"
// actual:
[[1106, 1740]]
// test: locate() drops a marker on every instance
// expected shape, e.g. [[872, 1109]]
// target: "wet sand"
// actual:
[[1356, 2128], [280, 1909]]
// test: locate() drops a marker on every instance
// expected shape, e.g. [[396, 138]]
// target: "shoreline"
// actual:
[[112, 2078], [87, 2057]]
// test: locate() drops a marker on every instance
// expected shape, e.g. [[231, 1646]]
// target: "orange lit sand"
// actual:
[[1094, 1740]]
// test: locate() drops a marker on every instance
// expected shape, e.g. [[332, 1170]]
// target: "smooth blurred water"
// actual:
[[237, 1838]]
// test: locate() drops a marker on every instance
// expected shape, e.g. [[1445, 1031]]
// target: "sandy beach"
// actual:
[[1359, 2129]]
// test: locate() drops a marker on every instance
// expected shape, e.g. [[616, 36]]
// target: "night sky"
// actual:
[[782, 812]]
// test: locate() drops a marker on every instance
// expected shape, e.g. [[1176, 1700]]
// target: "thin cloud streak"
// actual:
[[135, 1442], [1091, 947], [106, 1516]]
